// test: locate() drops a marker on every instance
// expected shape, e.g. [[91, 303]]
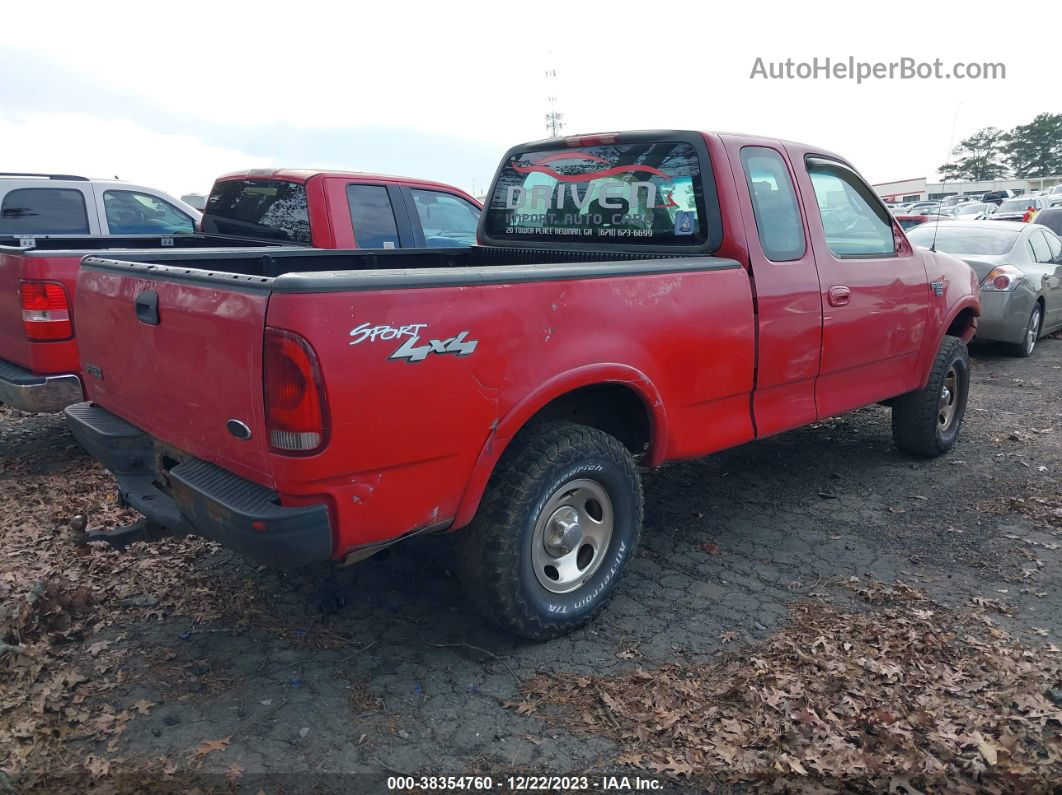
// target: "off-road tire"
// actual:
[[495, 549], [916, 425]]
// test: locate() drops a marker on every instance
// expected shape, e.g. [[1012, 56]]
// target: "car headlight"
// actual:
[[1002, 279]]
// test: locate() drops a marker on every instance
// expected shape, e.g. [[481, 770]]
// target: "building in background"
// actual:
[[913, 190]]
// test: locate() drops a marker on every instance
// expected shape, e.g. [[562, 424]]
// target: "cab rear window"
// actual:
[[650, 193], [271, 209]]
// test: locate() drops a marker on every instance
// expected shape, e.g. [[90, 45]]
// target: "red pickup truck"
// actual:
[[334, 209], [341, 209], [635, 298]]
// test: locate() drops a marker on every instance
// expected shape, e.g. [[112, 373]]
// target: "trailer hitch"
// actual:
[[121, 537]]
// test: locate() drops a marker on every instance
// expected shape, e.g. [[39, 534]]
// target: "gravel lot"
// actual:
[[178, 665]]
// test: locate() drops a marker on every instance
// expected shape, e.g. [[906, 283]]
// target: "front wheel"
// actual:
[[558, 524], [927, 421]]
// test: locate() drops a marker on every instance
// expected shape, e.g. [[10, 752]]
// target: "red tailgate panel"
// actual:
[[183, 379]]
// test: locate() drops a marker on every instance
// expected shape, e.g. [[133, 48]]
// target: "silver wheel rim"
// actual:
[[1032, 331], [572, 535], [949, 398]]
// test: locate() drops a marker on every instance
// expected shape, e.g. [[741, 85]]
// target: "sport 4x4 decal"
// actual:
[[410, 349]]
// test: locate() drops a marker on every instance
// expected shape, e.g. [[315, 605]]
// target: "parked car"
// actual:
[[39, 368], [341, 209], [924, 207], [997, 197], [307, 406], [1052, 219], [954, 201], [1020, 271], [1053, 196], [909, 221], [62, 204], [975, 211], [1018, 209]]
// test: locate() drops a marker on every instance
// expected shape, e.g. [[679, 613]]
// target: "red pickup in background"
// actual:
[[636, 298], [39, 368]]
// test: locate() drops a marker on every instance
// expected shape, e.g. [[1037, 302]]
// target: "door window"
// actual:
[[133, 213], [854, 221], [1055, 245], [372, 216], [44, 211], [446, 219], [774, 203], [1040, 250]]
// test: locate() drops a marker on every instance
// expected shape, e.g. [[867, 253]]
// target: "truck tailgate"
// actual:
[[178, 356]]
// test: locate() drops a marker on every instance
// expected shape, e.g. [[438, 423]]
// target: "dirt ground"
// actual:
[[179, 666]]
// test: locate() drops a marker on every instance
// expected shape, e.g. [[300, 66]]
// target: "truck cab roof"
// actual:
[[306, 174]]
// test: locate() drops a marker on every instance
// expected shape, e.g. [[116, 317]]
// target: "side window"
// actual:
[[372, 216], [774, 203], [44, 211], [1040, 250], [855, 223], [446, 219], [130, 212], [1055, 245]]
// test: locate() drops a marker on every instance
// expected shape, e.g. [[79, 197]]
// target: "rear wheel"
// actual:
[[1032, 333], [558, 524], [927, 421]]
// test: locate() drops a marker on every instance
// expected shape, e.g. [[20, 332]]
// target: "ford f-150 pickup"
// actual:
[[634, 298]]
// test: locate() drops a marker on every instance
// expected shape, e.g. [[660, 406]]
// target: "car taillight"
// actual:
[[1002, 279], [295, 402], [45, 311]]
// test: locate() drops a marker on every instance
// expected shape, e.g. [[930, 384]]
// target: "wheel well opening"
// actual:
[[963, 325], [615, 409]]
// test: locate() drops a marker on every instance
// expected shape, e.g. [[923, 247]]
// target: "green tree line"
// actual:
[[1028, 150]]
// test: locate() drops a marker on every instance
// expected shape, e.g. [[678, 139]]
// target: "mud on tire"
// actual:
[[557, 526], [927, 421]]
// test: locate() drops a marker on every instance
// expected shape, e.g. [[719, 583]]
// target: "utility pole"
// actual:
[[554, 118]]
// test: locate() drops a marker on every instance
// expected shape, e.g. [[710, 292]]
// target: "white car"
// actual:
[[63, 204], [1053, 196]]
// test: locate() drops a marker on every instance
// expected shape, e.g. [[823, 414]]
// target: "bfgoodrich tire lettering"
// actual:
[[927, 421], [496, 550]]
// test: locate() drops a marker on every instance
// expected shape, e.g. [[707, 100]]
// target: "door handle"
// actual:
[[839, 295], [147, 307]]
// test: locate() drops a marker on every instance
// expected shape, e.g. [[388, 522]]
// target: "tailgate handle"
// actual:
[[147, 307]]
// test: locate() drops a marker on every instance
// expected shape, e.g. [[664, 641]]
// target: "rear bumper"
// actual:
[[201, 498], [25, 391], [1004, 316]]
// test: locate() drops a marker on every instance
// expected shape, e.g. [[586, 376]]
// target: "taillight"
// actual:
[[1002, 279], [45, 311], [296, 407]]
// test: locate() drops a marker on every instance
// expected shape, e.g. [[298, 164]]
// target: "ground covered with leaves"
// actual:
[[909, 697]]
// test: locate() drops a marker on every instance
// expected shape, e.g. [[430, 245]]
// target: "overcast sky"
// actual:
[[172, 95]]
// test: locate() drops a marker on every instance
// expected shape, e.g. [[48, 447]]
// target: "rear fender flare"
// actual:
[[558, 386]]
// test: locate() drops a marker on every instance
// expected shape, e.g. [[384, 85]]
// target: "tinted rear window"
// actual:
[[264, 208], [44, 211], [648, 193]]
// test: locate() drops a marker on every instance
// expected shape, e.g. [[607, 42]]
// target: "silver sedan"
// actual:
[[1020, 270]]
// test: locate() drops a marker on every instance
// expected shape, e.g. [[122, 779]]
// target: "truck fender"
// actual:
[[507, 427], [925, 364]]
